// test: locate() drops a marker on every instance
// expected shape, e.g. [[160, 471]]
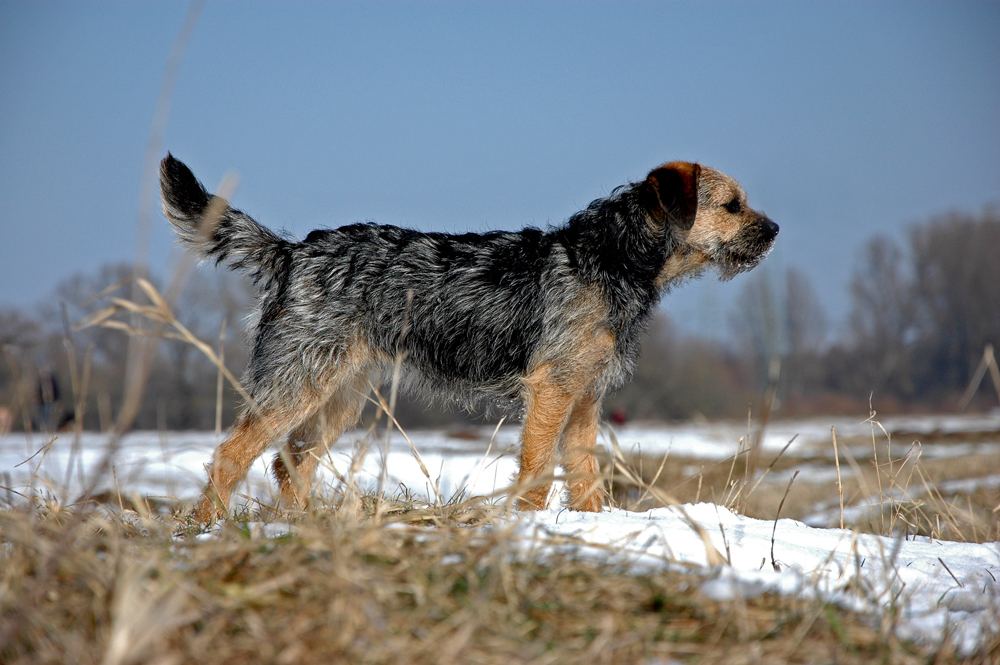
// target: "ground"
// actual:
[[430, 571]]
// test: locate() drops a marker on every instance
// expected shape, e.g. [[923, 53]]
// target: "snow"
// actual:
[[716, 440], [933, 588]]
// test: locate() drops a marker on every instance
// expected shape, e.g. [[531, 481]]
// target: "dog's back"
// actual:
[[468, 314], [463, 311]]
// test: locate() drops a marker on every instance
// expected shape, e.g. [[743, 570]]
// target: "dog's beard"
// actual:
[[741, 256]]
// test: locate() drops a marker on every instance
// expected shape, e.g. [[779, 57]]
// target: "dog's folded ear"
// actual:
[[671, 193]]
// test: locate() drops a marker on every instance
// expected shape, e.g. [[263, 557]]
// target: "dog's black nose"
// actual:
[[770, 228]]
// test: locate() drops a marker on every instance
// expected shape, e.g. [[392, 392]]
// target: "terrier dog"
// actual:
[[545, 322]]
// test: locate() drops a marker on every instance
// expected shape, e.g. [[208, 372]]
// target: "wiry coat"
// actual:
[[470, 313], [472, 316]]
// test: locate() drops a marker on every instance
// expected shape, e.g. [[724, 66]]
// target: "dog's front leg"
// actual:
[[586, 491], [547, 408]]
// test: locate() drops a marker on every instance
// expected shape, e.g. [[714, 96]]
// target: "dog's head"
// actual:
[[709, 220]]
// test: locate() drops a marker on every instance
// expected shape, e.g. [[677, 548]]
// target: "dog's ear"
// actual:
[[672, 193]]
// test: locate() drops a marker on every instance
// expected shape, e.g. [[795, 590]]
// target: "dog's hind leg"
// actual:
[[295, 465], [585, 487], [253, 433]]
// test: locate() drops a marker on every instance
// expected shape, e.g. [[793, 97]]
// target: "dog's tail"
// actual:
[[236, 239]]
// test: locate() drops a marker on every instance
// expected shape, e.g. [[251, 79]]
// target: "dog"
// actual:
[[540, 321]]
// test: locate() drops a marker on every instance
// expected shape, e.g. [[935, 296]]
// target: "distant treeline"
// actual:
[[922, 313]]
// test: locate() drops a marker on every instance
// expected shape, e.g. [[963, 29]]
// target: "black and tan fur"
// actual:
[[545, 322]]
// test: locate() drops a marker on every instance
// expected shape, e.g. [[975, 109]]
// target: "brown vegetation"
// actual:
[[377, 581], [887, 493]]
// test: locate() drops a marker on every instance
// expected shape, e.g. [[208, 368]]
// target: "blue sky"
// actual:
[[842, 120]]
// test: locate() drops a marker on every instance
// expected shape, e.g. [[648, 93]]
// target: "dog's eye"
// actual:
[[734, 206]]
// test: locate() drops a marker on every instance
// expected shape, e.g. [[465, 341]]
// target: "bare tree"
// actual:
[[956, 266], [806, 330], [20, 336], [778, 316], [881, 319], [805, 318], [757, 324], [182, 388]]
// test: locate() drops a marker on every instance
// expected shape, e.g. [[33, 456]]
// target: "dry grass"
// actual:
[[375, 581], [368, 579], [948, 498]]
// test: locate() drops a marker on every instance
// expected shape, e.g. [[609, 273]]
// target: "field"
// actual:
[[432, 567]]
